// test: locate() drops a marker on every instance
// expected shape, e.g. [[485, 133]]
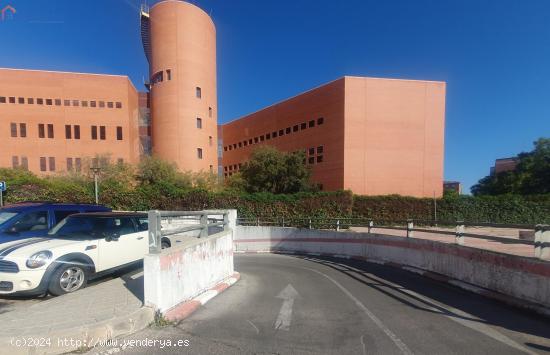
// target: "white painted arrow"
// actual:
[[285, 314]]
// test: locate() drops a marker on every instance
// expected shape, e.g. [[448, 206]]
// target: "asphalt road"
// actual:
[[303, 305]]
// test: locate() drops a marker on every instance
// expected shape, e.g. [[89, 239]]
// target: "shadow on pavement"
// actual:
[[483, 310]]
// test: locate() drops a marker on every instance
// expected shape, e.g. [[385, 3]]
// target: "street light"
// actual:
[[95, 171]]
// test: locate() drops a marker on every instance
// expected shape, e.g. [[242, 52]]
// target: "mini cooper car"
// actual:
[[25, 220], [80, 247]]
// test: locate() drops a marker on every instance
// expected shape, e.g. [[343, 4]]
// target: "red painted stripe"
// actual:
[[509, 261]]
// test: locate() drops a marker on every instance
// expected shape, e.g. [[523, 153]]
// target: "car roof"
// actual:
[[110, 214], [29, 205]]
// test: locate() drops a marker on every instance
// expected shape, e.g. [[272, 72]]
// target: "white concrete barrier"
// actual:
[[520, 277], [186, 270]]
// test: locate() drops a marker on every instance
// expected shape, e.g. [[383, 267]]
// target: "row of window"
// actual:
[[59, 102], [313, 156], [48, 163], [275, 134], [71, 131]]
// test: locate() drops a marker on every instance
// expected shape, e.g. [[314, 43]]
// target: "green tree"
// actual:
[[531, 176], [270, 170]]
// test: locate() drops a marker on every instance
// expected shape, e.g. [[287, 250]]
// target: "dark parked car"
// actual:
[[32, 219]]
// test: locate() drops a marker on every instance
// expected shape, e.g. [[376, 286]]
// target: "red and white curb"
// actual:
[[185, 309], [509, 300]]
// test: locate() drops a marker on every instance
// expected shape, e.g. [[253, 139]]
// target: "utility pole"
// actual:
[[96, 171]]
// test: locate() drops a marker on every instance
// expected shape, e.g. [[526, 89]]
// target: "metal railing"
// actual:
[[541, 240], [178, 222]]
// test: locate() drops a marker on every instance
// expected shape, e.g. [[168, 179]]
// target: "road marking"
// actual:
[[398, 342], [285, 314], [254, 326], [459, 316]]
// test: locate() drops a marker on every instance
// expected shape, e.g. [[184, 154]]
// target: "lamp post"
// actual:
[[95, 171]]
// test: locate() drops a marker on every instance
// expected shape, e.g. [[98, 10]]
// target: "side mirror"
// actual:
[[12, 230], [112, 237]]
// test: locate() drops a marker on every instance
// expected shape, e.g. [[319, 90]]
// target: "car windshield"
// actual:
[[91, 227], [6, 216]]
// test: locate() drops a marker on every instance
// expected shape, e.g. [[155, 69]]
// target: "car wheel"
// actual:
[[68, 278], [164, 244]]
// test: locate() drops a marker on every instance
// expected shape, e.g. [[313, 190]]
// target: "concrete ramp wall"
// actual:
[[191, 267], [520, 277]]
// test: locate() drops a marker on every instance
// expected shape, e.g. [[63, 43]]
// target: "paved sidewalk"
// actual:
[[109, 308], [500, 245]]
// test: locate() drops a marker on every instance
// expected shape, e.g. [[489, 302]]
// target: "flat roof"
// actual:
[[328, 83]]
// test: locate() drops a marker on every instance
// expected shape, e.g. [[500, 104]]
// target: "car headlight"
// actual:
[[39, 259]]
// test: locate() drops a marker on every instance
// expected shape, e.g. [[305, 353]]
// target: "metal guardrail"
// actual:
[[189, 221], [541, 240]]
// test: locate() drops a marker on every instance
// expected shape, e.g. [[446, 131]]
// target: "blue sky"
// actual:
[[493, 54]]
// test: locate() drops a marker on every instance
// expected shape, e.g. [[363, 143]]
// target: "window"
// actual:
[[68, 132], [211, 169], [303, 126], [199, 123], [33, 221], [320, 150], [255, 139], [69, 164], [51, 161], [12, 100], [93, 104], [210, 112], [199, 153], [76, 132], [225, 149], [250, 141], [295, 128], [84, 103], [169, 74], [14, 162], [110, 104], [210, 141], [66, 102], [21, 100], [101, 104], [287, 130], [245, 143], [235, 146], [198, 92], [262, 138], [50, 130], [30, 101], [43, 164], [40, 101], [60, 215], [94, 132], [230, 147], [319, 159], [57, 102], [23, 130], [41, 131], [78, 164], [158, 77], [102, 134], [76, 103], [268, 136], [311, 160], [320, 120], [311, 151], [119, 133], [225, 168], [311, 123], [2, 99], [118, 104], [13, 127], [24, 163], [49, 102], [274, 134]]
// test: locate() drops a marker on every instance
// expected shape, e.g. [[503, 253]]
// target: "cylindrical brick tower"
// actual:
[[182, 56]]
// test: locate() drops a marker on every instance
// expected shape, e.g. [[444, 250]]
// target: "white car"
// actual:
[[80, 247]]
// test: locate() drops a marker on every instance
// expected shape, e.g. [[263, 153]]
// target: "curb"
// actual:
[[185, 309], [501, 297], [78, 338]]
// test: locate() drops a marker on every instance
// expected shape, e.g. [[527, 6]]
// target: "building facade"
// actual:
[[372, 136], [54, 121]]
